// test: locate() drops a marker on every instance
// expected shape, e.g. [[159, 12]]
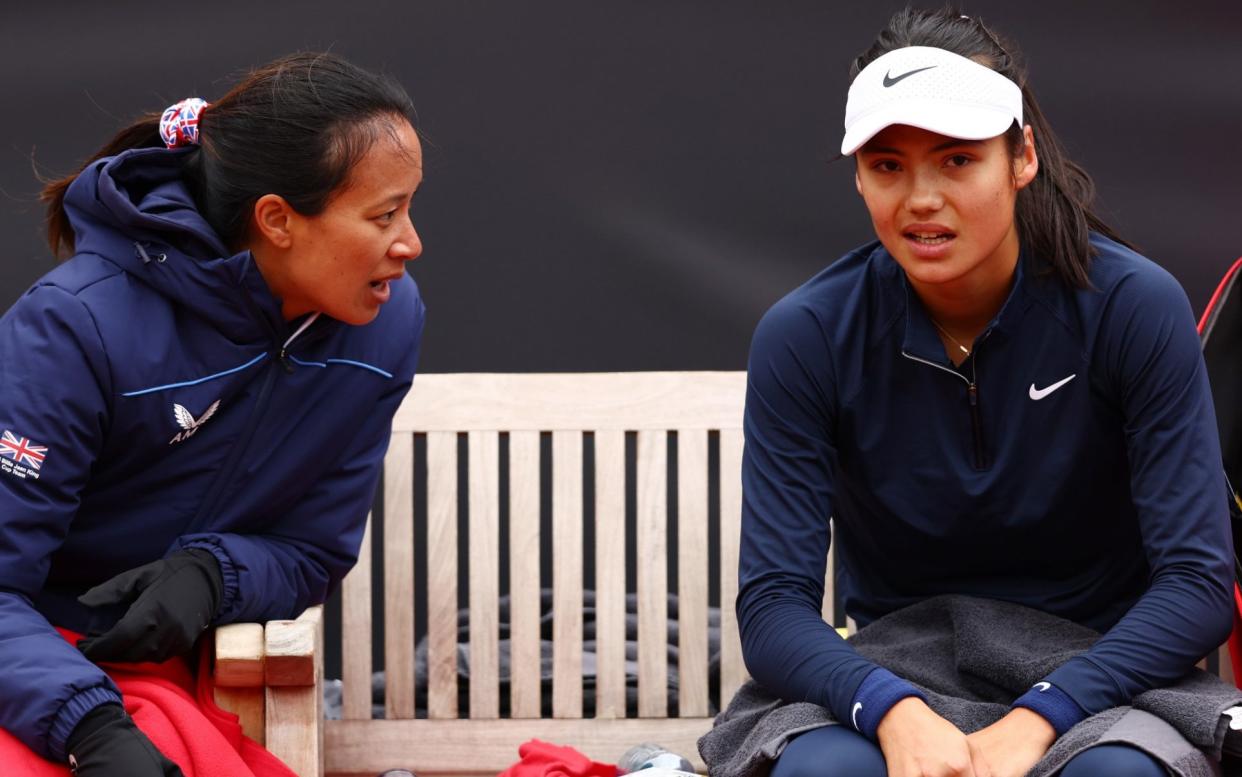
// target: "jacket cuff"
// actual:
[[228, 571], [876, 695], [1053, 705], [1092, 687], [71, 714]]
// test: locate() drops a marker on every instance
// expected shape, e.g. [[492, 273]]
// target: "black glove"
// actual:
[[106, 743], [171, 602]]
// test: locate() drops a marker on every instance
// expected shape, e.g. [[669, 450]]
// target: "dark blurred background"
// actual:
[[629, 185]]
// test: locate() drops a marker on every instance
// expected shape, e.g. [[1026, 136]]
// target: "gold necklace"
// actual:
[[956, 342]]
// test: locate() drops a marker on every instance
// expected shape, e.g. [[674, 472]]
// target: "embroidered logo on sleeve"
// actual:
[[20, 456], [187, 422]]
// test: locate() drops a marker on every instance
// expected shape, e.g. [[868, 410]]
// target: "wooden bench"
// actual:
[[572, 417], [271, 674], [539, 421]]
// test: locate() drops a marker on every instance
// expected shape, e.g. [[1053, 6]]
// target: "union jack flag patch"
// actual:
[[22, 450]]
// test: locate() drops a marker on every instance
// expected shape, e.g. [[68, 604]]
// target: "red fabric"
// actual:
[[542, 759], [1216, 295], [1235, 639], [178, 714]]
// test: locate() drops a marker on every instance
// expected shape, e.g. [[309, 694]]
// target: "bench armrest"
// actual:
[[271, 676]]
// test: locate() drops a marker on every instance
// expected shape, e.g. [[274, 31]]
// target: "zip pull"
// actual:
[[972, 392], [146, 257], [283, 354]]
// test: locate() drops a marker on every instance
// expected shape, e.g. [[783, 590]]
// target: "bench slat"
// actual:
[[652, 584], [524, 685], [610, 573], [544, 402], [356, 635], [464, 746], [732, 669], [567, 574], [442, 574], [484, 575], [399, 577], [828, 608], [692, 579]]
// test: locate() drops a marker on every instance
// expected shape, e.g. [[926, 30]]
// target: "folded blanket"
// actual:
[[179, 715], [973, 657]]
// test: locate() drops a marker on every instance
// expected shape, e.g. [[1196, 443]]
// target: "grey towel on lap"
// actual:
[[973, 657]]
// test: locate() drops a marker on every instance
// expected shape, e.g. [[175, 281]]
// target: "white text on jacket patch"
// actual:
[[20, 456]]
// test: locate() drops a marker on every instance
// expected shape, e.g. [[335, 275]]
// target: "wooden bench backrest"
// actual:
[[568, 406]]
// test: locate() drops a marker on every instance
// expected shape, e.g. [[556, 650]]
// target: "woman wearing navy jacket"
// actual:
[[998, 398], [195, 405]]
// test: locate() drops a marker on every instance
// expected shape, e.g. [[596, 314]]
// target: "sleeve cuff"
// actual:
[[228, 572], [1053, 705], [71, 714], [876, 695]]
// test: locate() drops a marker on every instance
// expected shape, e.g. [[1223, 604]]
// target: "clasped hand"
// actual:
[[917, 742]]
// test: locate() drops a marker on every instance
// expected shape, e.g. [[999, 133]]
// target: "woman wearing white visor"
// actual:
[[997, 398]]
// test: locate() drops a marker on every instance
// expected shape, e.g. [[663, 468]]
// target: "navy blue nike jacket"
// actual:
[[1070, 464], [149, 403]]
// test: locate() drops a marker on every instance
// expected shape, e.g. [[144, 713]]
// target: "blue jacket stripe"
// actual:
[[351, 362], [385, 373], [301, 363], [183, 384]]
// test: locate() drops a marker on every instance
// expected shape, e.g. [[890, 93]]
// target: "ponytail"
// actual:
[[1053, 213], [293, 127], [143, 133]]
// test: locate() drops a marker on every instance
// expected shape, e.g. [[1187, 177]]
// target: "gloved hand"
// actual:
[[171, 602], [106, 743]]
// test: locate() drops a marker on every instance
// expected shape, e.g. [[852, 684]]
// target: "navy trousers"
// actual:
[[836, 751]]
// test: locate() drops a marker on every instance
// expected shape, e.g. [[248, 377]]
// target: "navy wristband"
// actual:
[[876, 695], [1053, 705]]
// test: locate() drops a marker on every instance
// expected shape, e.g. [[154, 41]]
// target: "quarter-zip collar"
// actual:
[[922, 341]]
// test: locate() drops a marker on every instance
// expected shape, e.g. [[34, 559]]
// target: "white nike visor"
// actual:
[[932, 89]]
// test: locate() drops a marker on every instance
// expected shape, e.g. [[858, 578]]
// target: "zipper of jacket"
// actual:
[[976, 420], [225, 475], [280, 360], [972, 398]]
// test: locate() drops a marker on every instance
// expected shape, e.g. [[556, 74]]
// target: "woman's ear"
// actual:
[[857, 181], [272, 220], [1026, 164]]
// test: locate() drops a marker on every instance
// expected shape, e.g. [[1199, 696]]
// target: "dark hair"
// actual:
[[294, 127], [1053, 212]]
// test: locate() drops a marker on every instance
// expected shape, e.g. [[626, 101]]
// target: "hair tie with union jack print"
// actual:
[[179, 123]]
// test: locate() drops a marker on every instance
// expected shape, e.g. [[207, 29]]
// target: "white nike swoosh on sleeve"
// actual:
[[854, 714], [1235, 718]]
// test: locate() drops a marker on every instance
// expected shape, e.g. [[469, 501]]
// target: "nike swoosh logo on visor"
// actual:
[[1038, 394], [1046, 686], [889, 80]]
